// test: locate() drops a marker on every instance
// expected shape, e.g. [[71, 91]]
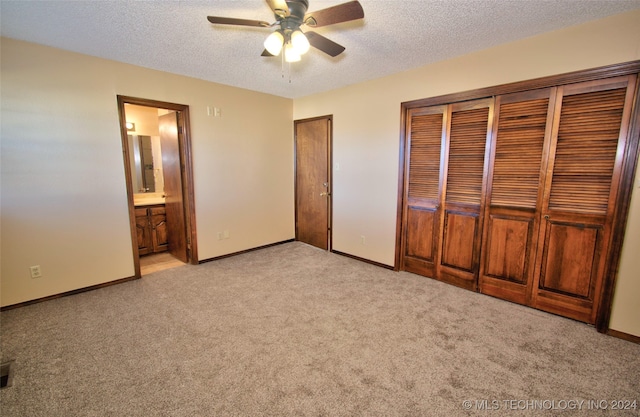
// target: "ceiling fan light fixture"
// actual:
[[290, 53], [273, 43], [300, 42]]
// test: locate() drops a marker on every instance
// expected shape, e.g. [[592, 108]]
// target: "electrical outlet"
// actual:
[[220, 236], [35, 271], [363, 240], [226, 234]]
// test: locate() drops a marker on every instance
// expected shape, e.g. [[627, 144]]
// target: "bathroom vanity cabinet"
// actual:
[[151, 225]]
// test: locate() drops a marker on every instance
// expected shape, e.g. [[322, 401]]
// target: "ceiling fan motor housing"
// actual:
[[297, 10]]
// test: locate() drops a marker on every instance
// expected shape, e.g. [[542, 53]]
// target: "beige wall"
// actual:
[[145, 119], [64, 203], [367, 125], [625, 315]]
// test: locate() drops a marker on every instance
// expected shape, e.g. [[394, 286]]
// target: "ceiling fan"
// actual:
[[289, 16]]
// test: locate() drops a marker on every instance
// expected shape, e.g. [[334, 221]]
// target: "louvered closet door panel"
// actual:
[[516, 177], [467, 141], [424, 155], [461, 223], [421, 227], [589, 135], [586, 151]]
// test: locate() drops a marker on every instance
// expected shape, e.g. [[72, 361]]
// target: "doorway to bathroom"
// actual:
[[157, 159]]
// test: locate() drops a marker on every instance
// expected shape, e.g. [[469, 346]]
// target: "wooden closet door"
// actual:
[[587, 147], [423, 188], [519, 149], [460, 222]]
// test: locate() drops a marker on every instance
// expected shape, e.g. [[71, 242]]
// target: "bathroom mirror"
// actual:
[[146, 164]]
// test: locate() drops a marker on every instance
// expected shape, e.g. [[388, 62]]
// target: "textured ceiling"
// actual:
[[175, 36]]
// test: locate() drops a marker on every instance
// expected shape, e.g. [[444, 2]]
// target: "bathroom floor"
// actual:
[[158, 262]]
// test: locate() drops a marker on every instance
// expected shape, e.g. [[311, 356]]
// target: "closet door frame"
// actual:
[[630, 159]]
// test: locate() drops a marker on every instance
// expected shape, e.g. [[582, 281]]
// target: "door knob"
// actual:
[[324, 194], [546, 216]]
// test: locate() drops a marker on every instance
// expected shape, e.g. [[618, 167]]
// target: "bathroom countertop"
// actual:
[[148, 201]]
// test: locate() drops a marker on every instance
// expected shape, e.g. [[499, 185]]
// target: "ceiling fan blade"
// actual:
[[279, 7], [337, 14], [327, 46], [240, 22]]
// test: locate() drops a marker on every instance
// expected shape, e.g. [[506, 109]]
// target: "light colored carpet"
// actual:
[[295, 331]]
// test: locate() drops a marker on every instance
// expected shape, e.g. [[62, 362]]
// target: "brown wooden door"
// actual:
[[313, 182], [587, 147], [445, 165], [172, 171], [522, 129], [460, 222], [426, 129]]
